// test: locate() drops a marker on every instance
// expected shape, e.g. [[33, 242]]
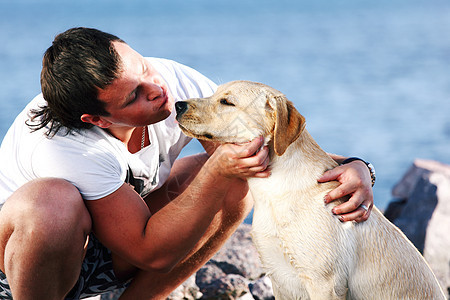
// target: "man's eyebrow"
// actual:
[[127, 98]]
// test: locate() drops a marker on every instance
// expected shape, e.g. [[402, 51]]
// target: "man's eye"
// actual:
[[133, 97], [225, 102]]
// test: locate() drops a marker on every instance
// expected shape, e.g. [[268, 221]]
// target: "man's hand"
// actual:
[[355, 181], [241, 161]]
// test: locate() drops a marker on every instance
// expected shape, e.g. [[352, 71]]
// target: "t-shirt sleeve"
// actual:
[[195, 84], [94, 172], [185, 82]]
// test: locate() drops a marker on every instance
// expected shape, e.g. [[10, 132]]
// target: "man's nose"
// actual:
[[181, 107]]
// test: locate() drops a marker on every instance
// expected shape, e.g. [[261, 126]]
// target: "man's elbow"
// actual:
[[162, 267], [163, 264]]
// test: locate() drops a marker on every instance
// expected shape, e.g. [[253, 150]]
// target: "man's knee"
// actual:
[[47, 208]]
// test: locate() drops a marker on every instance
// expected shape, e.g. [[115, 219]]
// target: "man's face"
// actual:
[[139, 96]]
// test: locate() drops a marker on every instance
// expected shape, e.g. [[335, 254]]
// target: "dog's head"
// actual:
[[240, 111]]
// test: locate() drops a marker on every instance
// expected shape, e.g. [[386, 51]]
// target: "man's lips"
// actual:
[[163, 98]]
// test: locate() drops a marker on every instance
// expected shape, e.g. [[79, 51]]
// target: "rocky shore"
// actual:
[[421, 209]]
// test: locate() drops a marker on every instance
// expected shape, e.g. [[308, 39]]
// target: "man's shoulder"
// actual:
[[167, 67], [162, 64], [184, 81]]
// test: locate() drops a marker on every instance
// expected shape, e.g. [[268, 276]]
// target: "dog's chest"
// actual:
[[289, 227], [280, 257]]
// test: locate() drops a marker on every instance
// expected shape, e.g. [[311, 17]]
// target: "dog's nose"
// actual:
[[181, 107]]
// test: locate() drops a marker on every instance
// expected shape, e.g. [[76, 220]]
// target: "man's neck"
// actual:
[[131, 137]]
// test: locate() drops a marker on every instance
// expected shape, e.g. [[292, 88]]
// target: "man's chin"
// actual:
[[163, 115]]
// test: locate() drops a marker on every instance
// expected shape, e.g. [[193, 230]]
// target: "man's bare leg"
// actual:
[[43, 231], [237, 205]]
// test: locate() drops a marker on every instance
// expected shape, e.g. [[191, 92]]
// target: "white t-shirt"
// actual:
[[93, 160]]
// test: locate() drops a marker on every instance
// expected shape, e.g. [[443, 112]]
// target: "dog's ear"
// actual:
[[289, 123]]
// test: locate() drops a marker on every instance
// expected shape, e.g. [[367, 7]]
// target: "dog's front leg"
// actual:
[[327, 290], [318, 289]]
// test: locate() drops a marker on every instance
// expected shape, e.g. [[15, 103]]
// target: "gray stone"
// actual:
[[230, 286], [240, 252], [209, 273], [261, 289], [422, 212], [188, 290]]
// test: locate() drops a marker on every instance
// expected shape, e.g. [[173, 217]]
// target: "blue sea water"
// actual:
[[371, 77]]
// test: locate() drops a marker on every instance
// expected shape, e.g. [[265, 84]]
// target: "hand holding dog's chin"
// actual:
[[355, 182], [241, 161]]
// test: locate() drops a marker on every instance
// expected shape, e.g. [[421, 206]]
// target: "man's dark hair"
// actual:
[[79, 62]]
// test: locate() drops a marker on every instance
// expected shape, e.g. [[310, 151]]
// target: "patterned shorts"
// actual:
[[96, 277]]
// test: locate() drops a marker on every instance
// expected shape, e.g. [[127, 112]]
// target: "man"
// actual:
[[95, 199]]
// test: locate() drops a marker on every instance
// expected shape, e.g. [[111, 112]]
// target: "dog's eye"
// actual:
[[225, 102]]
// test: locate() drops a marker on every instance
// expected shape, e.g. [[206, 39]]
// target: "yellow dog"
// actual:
[[305, 250]]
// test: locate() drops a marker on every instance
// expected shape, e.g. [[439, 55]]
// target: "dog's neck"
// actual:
[[293, 179], [303, 160]]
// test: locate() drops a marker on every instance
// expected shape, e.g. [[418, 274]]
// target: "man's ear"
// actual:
[[289, 123], [95, 120]]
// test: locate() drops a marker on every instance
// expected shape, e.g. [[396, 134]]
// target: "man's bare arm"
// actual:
[[123, 222]]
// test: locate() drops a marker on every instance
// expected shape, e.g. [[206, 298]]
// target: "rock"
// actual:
[[240, 252], [209, 273], [229, 287], [422, 211], [187, 291], [246, 297], [229, 273], [261, 289]]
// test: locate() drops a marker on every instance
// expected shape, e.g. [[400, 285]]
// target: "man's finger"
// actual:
[[339, 192], [352, 204], [364, 217], [251, 148], [258, 159], [358, 215], [330, 175]]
